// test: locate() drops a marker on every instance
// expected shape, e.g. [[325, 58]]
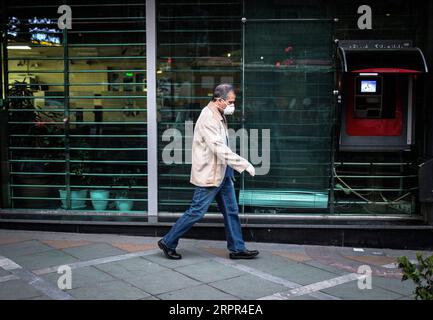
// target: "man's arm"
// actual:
[[213, 138]]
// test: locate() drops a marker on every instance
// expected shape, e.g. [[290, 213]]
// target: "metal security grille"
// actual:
[[77, 107]]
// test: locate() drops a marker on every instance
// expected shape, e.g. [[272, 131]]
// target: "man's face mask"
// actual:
[[230, 109]]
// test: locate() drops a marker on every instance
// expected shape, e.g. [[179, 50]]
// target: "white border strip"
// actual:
[[274, 279], [152, 120], [263, 275], [33, 280], [8, 264], [313, 288], [8, 278], [98, 261]]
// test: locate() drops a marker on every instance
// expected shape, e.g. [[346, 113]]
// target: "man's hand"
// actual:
[[250, 169]]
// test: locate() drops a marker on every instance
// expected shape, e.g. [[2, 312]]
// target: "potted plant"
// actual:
[[35, 138], [99, 198], [79, 177], [78, 196], [82, 176], [123, 197]]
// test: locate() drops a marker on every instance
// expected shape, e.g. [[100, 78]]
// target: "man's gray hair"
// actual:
[[222, 90]]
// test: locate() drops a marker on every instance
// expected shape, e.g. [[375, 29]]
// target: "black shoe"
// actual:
[[254, 252], [169, 253], [247, 254]]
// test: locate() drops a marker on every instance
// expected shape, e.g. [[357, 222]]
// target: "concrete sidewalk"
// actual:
[[126, 267]]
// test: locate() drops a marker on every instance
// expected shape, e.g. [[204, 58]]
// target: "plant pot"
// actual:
[[76, 202], [124, 204], [99, 199]]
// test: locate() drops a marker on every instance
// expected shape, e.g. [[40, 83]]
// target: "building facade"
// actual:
[[97, 119]]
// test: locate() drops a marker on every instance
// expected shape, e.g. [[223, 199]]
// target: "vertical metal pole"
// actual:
[[335, 112], [152, 123], [244, 20], [409, 133], [5, 188], [66, 117]]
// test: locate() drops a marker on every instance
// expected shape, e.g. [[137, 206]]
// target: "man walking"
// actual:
[[212, 174]]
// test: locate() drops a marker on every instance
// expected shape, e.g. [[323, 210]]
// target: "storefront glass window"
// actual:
[[77, 131], [77, 108], [288, 81], [199, 46]]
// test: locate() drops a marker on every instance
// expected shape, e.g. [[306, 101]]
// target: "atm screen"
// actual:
[[368, 86]]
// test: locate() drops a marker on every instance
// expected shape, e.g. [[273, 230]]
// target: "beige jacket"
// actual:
[[210, 153]]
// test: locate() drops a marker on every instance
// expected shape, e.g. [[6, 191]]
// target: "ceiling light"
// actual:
[[19, 48]]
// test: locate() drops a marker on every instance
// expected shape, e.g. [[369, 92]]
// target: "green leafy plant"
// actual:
[[126, 181], [42, 134], [420, 273], [22, 99], [80, 172], [80, 169]]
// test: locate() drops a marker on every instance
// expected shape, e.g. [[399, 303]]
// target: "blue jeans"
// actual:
[[203, 196]]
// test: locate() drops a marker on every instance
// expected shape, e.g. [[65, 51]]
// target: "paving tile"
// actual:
[[266, 261], [285, 247], [188, 257], [4, 272], [294, 256], [40, 298], [408, 253], [94, 251], [411, 297], [150, 298], [22, 248], [44, 259], [109, 290], [302, 273], [209, 271], [396, 285], [8, 239], [372, 260], [82, 277], [63, 244], [216, 251], [134, 247], [304, 297], [135, 267], [17, 289], [350, 291], [162, 282], [202, 292], [248, 287], [319, 265]]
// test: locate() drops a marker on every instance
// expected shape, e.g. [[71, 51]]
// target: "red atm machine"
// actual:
[[377, 86]]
